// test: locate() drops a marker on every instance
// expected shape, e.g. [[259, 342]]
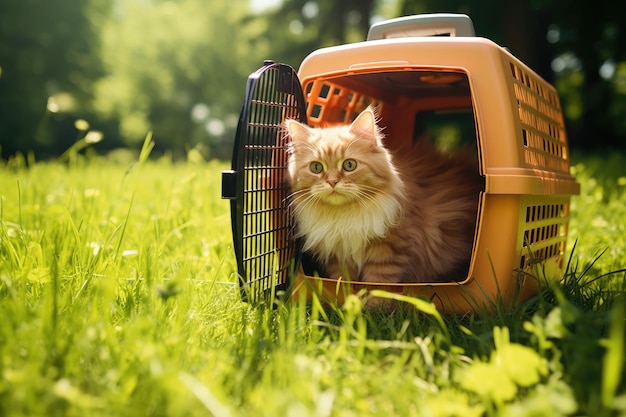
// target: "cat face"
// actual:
[[338, 165]]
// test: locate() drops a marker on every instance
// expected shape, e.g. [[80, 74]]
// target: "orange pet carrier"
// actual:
[[425, 74]]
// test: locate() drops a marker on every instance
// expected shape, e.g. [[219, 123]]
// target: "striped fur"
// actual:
[[402, 217]]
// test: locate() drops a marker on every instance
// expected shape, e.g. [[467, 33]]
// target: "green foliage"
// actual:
[[299, 27], [615, 357], [599, 206], [512, 366], [49, 54], [119, 297], [175, 68], [178, 68], [579, 47]]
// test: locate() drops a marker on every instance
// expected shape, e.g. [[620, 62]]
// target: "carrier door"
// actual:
[[262, 223]]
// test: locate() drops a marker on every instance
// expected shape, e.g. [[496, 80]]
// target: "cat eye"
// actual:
[[349, 165], [316, 167]]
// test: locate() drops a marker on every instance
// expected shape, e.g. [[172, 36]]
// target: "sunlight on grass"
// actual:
[[599, 213], [119, 296]]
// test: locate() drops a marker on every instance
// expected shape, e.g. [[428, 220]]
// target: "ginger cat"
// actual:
[[371, 215]]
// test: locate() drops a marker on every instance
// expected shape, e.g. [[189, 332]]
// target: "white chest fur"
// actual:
[[345, 231]]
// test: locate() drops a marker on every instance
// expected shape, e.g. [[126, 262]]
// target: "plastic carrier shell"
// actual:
[[515, 123]]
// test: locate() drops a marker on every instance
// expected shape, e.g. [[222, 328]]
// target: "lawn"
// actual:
[[118, 297]]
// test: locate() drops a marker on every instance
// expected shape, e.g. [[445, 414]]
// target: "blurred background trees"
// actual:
[[49, 61], [178, 67]]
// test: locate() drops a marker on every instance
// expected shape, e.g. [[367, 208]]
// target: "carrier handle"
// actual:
[[430, 24]]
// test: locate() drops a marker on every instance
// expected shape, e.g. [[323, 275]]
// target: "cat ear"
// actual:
[[297, 130], [365, 125]]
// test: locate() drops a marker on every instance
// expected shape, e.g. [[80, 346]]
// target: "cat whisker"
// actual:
[[377, 191], [303, 200], [294, 195], [368, 194], [298, 195]]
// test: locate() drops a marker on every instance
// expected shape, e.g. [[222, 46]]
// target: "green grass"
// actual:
[[118, 297]]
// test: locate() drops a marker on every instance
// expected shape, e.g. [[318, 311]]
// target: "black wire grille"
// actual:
[[263, 227]]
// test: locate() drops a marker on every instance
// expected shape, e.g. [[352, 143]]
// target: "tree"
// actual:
[[589, 46], [299, 27], [578, 46], [48, 60], [176, 68]]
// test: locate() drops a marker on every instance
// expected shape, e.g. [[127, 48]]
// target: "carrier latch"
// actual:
[[229, 189]]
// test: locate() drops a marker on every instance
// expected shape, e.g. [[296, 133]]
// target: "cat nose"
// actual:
[[332, 183]]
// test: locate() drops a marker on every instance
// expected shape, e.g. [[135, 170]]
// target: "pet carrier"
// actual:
[[425, 73]]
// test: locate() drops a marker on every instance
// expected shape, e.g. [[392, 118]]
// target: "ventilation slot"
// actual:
[[331, 103], [544, 234], [543, 130]]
